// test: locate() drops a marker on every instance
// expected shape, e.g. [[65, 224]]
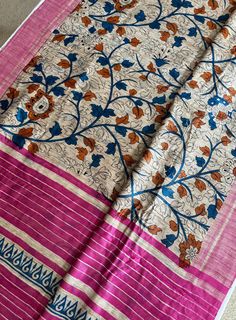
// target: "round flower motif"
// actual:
[[188, 251], [228, 170], [191, 253], [40, 105], [121, 5]]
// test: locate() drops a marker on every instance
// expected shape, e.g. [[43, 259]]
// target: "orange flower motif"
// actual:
[[12, 93], [154, 229], [32, 63], [77, 8], [40, 105], [121, 5], [124, 213], [157, 179], [135, 42], [147, 156], [188, 250], [233, 50], [33, 147]]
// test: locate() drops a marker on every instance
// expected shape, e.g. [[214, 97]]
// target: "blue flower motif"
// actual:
[[160, 62], [96, 110], [170, 171], [18, 140], [108, 7], [68, 40], [216, 100], [167, 192], [21, 115], [72, 140], [159, 100], [107, 26], [192, 32], [4, 104], [96, 160], [185, 122], [178, 41], [155, 25], [111, 148], [127, 64], [169, 240], [200, 161], [212, 211], [140, 16], [55, 130]]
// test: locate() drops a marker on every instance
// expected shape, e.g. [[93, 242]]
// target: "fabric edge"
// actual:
[[30, 37]]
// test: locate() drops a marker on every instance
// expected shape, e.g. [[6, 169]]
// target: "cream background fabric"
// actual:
[[12, 14]]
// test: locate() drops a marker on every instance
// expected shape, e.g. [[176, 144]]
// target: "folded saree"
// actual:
[[118, 160]]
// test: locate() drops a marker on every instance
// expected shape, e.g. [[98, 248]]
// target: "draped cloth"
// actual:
[[118, 161]]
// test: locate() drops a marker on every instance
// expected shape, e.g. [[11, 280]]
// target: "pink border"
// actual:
[[61, 173], [217, 257], [108, 242], [217, 270], [216, 263], [169, 254], [30, 37], [200, 269]]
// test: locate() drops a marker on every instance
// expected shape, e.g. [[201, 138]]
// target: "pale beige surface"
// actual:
[[12, 13], [230, 311]]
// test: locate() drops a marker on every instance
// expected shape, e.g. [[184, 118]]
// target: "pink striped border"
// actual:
[[217, 257], [45, 260], [30, 37], [193, 270], [69, 177], [171, 255], [108, 252], [159, 290], [34, 298]]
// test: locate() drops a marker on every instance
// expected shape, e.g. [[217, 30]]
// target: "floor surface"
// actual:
[[12, 13]]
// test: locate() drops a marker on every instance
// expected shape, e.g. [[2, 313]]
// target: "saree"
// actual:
[[118, 161]]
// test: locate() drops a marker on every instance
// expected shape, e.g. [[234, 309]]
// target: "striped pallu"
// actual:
[[117, 151]]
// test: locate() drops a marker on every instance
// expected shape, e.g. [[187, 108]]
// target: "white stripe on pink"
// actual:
[[137, 282], [103, 253], [91, 213]]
